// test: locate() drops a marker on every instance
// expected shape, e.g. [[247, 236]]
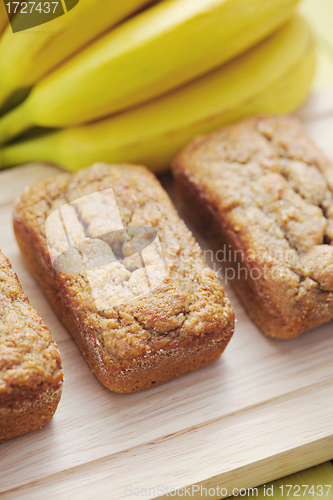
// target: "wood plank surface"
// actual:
[[264, 410]]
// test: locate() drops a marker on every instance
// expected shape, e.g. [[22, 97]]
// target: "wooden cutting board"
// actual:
[[264, 410]]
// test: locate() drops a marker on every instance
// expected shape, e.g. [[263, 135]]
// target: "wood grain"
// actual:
[[262, 411]]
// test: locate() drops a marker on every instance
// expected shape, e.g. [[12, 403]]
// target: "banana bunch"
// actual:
[[142, 90], [27, 56], [269, 78]]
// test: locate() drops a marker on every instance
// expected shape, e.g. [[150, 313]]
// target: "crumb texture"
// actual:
[[270, 190], [120, 323], [28, 355]]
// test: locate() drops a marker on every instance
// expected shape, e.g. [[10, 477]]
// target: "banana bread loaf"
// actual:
[[30, 367], [124, 274], [264, 192]]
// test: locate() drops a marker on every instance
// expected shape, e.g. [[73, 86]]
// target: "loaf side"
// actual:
[[31, 374]]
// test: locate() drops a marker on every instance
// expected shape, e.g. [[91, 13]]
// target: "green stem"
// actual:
[[39, 149]]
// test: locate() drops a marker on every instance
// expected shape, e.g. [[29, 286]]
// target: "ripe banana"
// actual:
[[27, 56], [156, 51], [273, 77]]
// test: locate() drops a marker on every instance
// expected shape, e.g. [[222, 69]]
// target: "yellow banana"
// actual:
[[273, 77], [3, 17], [27, 56], [164, 47]]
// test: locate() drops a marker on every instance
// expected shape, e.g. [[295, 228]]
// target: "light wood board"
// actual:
[[264, 410]]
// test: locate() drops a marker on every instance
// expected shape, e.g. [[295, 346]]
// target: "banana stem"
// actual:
[[14, 123], [39, 149]]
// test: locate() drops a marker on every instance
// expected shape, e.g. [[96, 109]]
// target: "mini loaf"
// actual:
[[30, 367], [132, 335], [264, 193]]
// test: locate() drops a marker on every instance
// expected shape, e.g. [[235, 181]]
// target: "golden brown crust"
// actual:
[[145, 340], [30, 367], [265, 192]]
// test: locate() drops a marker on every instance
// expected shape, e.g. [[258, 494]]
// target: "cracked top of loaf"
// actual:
[[29, 359], [272, 190], [110, 303]]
